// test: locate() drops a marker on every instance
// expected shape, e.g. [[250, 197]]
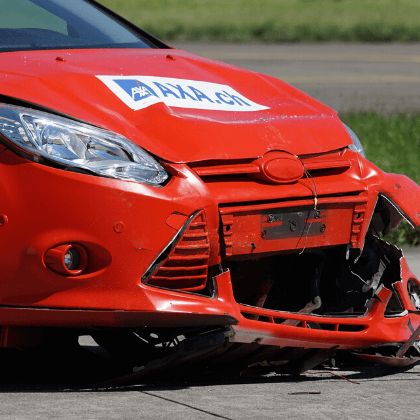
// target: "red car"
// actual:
[[178, 208]]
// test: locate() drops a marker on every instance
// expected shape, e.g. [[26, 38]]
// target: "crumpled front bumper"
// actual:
[[173, 309], [113, 294]]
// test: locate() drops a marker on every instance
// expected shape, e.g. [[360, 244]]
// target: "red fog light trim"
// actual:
[[186, 266], [54, 259]]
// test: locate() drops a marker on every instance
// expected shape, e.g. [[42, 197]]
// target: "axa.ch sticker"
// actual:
[[139, 92]]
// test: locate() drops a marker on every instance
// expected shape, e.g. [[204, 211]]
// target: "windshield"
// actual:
[[61, 24]]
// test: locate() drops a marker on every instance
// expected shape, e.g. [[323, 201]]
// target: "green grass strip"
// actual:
[[275, 20]]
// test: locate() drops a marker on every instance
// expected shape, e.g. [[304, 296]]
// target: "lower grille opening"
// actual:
[[321, 281]]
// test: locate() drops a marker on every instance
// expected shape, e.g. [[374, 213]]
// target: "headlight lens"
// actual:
[[356, 146], [79, 145]]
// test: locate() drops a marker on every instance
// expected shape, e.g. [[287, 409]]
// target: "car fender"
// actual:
[[404, 195]]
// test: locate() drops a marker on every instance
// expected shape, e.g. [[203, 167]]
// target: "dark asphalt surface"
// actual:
[[347, 77], [383, 78]]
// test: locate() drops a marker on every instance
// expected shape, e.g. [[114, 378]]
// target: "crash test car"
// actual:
[[176, 208]]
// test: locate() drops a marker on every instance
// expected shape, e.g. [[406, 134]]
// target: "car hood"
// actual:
[[178, 106]]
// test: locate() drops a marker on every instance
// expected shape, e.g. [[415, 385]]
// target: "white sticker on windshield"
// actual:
[[139, 92]]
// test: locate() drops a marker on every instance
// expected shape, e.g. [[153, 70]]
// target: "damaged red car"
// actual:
[[176, 208]]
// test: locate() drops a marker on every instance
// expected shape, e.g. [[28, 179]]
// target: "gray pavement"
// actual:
[[375, 392], [347, 77]]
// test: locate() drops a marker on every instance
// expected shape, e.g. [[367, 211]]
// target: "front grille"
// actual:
[[186, 267], [318, 165]]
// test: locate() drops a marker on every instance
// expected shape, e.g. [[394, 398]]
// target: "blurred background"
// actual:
[[275, 20]]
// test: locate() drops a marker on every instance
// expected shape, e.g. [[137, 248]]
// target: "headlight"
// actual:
[[79, 145], [356, 146]]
